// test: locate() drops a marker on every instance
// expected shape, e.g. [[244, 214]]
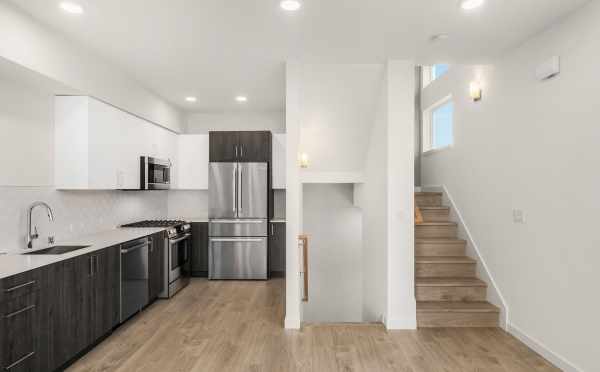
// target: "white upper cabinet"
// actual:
[[192, 162], [98, 146], [279, 160]]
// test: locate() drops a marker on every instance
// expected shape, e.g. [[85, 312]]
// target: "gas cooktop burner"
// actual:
[[155, 223]]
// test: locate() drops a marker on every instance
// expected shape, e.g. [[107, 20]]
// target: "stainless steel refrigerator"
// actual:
[[238, 221]]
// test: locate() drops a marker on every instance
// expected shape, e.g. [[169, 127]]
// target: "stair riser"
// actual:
[[443, 293], [435, 215], [428, 200], [457, 319], [425, 232], [440, 249], [445, 270]]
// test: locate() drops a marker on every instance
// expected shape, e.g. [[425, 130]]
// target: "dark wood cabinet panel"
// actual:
[[105, 301], [277, 249], [246, 146], [223, 146], [255, 146], [200, 249], [156, 265], [20, 333]]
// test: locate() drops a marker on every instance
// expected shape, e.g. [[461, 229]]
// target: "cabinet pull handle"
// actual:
[[97, 264], [19, 286], [236, 151], [11, 315], [272, 230], [92, 266], [241, 151], [8, 368]]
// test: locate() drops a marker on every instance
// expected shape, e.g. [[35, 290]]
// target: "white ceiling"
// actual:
[[217, 49]]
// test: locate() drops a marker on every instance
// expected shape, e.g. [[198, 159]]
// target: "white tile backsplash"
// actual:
[[76, 212], [188, 204]]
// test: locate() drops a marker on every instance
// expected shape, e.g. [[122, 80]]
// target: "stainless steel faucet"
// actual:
[[31, 236]]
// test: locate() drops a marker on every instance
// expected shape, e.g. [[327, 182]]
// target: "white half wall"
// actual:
[[32, 45], [533, 146]]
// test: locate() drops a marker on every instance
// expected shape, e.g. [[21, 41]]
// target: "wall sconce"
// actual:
[[303, 160], [475, 91]]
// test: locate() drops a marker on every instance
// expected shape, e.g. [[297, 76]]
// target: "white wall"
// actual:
[[400, 213], [533, 146], [27, 147], [202, 123], [337, 104], [36, 47], [334, 227], [371, 196]]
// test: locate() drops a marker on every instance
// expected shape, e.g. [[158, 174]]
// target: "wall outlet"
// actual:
[[518, 216]]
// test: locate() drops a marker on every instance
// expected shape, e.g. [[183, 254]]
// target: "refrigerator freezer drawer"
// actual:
[[238, 258], [235, 227]]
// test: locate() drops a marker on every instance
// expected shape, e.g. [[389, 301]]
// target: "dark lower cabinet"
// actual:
[[106, 292], [200, 249], [277, 249], [20, 334], [156, 265]]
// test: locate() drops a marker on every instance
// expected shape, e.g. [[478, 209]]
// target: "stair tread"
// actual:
[[456, 307], [449, 282], [437, 223], [424, 193], [444, 259], [433, 207], [439, 240]]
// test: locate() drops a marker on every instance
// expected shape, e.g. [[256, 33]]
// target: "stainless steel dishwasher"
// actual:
[[134, 277]]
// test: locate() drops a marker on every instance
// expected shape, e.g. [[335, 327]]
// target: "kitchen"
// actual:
[[105, 214]]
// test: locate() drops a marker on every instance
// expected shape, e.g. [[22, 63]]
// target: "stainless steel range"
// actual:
[[177, 255]]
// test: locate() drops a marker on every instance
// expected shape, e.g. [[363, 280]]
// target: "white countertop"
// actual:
[[15, 262]]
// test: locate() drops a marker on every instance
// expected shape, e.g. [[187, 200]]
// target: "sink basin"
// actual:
[[59, 249]]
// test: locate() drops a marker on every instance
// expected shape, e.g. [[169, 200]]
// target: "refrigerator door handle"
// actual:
[[240, 190], [236, 221], [233, 188]]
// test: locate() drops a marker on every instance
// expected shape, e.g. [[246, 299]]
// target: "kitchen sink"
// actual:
[[59, 249]]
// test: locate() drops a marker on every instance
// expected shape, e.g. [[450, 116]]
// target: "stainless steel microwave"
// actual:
[[155, 174]]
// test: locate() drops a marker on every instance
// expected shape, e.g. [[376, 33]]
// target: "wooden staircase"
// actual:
[[447, 290]]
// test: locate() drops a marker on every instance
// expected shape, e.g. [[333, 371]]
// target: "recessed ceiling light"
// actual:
[[471, 4], [241, 99], [290, 5], [191, 99], [70, 7]]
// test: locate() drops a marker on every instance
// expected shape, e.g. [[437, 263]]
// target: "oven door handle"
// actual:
[[175, 241], [237, 240], [129, 250], [236, 221]]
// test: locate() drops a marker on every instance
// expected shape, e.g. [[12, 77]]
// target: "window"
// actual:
[[438, 125], [438, 70], [431, 73]]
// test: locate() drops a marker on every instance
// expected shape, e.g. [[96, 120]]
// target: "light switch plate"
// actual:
[[518, 216]]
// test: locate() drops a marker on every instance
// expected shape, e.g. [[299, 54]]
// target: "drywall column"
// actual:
[[401, 307], [293, 316]]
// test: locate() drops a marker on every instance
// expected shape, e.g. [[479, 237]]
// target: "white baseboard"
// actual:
[[400, 324], [291, 323], [541, 349]]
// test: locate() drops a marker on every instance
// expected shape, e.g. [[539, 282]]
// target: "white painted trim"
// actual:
[[542, 349], [505, 309], [400, 324], [436, 150], [291, 323], [307, 176]]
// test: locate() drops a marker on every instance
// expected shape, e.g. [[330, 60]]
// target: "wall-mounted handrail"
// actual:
[[303, 252]]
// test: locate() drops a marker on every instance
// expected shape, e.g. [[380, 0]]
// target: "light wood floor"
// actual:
[[237, 326]]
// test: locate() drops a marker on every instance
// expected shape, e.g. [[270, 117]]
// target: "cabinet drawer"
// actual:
[[19, 329], [19, 285]]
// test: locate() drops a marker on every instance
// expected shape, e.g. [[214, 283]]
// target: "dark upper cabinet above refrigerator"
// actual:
[[244, 147]]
